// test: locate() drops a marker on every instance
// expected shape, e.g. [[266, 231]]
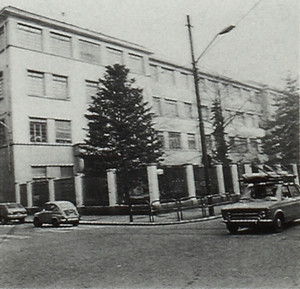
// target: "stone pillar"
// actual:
[[295, 172], [51, 190], [235, 179], [112, 187], [248, 169], [29, 194], [220, 177], [153, 182], [78, 190], [17, 193], [190, 180]]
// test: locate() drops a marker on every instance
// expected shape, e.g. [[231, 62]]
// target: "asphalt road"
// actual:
[[197, 255]]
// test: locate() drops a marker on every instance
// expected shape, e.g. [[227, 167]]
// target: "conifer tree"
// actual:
[[281, 142], [120, 128]]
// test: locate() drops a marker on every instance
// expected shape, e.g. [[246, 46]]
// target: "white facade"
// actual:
[[49, 69]]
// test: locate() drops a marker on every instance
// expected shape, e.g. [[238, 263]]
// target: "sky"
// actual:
[[263, 47]]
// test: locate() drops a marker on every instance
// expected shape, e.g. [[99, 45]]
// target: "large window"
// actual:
[[60, 86], [61, 44], [157, 105], [39, 172], [174, 140], [115, 56], [161, 138], [89, 51], [136, 63], [188, 110], [2, 38], [38, 130], [167, 76], [240, 145], [191, 141], [63, 131], [1, 85], [30, 37], [91, 88], [3, 129], [171, 108], [36, 84]]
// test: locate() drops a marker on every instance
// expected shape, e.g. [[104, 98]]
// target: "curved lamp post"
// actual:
[[196, 79]]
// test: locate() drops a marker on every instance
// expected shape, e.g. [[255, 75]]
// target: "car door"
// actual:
[[287, 204], [295, 193], [46, 213]]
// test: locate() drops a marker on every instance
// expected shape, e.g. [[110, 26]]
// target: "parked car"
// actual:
[[266, 201], [56, 213], [12, 212]]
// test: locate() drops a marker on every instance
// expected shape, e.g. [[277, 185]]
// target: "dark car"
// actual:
[[266, 201], [56, 213], [12, 212]]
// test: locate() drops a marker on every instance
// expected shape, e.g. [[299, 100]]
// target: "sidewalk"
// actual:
[[189, 216]]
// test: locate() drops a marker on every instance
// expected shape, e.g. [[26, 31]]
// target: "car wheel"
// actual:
[[278, 223], [3, 220], [232, 228], [55, 223], [37, 222]]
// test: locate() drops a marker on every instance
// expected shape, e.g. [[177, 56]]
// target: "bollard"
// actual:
[[211, 209]]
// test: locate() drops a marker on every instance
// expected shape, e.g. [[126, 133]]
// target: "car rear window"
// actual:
[[13, 206]]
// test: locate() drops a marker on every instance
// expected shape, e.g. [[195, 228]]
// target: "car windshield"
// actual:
[[64, 206], [14, 206], [260, 192]]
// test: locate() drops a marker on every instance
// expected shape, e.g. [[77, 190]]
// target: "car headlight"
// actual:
[[262, 214]]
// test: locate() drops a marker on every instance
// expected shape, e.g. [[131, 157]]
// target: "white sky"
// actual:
[[264, 47]]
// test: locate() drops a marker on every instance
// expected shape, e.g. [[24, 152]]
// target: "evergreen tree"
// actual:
[[120, 128], [281, 142], [221, 147]]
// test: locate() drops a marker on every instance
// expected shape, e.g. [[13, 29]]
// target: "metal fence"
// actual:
[[65, 190], [40, 192], [95, 191]]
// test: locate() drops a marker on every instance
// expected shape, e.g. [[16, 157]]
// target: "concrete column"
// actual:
[[153, 182], [17, 193], [235, 179], [248, 169], [295, 172], [190, 180], [220, 177], [51, 190], [78, 190], [29, 194], [112, 187]]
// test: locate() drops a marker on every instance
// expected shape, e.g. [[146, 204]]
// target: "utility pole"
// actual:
[[199, 106]]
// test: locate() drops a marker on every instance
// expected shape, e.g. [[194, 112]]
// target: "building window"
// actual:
[[30, 37], [39, 172], [153, 72], [89, 51], [38, 130], [115, 56], [2, 38], [91, 88], [3, 129], [61, 44], [167, 76], [205, 113], [157, 105], [136, 63], [184, 77], [253, 144], [241, 145], [188, 110], [191, 141], [161, 138], [208, 141], [36, 83], [171, 108], [63, 131], [174, 140], [60, 86], [1, 85], [66, 171]]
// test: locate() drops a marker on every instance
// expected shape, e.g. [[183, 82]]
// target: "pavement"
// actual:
[[189, 216]]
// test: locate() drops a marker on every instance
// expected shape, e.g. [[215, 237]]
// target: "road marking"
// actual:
[[4, 237]]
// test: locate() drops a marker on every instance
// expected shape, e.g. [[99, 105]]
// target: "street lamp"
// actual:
[[196, 79]]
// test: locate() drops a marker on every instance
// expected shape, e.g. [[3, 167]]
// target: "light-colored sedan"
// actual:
[[56, 213], [265, 201]]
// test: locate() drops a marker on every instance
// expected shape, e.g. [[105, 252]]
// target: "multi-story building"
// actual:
[[49, 71]]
